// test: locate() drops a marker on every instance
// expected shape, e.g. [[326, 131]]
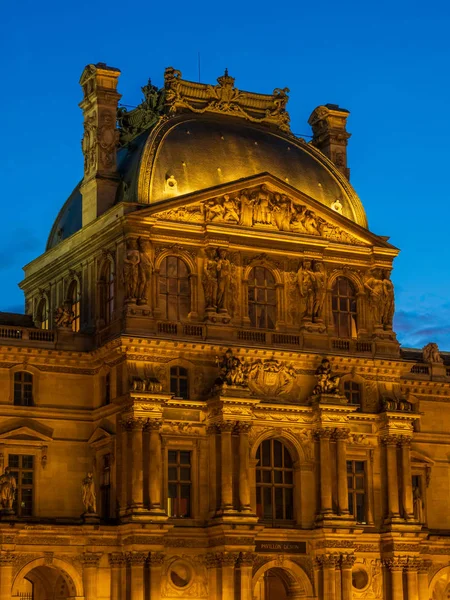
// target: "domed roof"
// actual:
[[195, 152]]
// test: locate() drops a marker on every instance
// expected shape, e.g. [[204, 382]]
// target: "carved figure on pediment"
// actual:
[[214, 211], [298, 218], [8, 486], [145, 269], [431, 353], [311, 223], [223, 279], [246, 218], [230, 209], [262, 213], [88, 494], [418, 505], [64, 316], [282, 212], [232, 370], [326, 382], [319, 290], [131, 270], [209, 280], [305, 280]]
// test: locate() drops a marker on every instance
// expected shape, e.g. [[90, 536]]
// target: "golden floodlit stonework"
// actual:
[[206, 397]]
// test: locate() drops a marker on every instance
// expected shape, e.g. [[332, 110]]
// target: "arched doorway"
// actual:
[[281, 580], [440, 585], [47, 579]]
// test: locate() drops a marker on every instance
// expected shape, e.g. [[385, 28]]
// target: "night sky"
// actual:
[[385, 62]]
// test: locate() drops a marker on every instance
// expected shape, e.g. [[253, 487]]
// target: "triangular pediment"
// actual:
[[264, 203], [100, 435], [34, 432]]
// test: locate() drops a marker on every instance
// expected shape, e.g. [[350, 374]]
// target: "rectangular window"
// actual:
[[356, 480], [179, 484], [22, 468], [23, 388]]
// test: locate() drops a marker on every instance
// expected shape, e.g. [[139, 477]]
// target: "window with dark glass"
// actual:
[[179, 382], [356, 481], [22, 468], [107, 292], [75, 304], [107, 391], [274, 482], [179, 483], [23, 388], [105, 486], [344, 308], [174, 289], [262, 303], [352, 391], [42, 314]]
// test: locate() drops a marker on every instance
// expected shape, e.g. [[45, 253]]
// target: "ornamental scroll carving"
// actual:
[[263, 209]]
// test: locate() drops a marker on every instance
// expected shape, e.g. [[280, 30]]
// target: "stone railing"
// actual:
[[47, 338]]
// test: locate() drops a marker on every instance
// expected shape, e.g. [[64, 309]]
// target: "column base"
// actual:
[[333, 520]]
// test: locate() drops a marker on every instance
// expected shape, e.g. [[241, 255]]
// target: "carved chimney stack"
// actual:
[[99, 144], [329, 134]]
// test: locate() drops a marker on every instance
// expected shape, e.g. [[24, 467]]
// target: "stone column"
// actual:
[[407, 499], [328, 563], [116, 562], [228, 562], [244, 474], [326, 502], [390, 441], [226, 428], [193, 283], [135, 428], [155, 561], [245, 562], [347, 562], [137, 560], [155, 471], [341, 436], [395, 566], [90, 562], [7, 561], [423, 568], [411, 579]]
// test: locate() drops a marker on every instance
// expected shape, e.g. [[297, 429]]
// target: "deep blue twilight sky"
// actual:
[[387, 62]]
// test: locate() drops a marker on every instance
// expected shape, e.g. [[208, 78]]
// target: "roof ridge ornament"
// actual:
[[189, 96]]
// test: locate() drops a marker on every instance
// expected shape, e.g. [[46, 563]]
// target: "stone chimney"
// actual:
[[99, 144], [329, 134]]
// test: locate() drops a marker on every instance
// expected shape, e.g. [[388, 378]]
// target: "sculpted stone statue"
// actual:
[[88, 494], [246, 218], [418, 505], [145, 269], [326, 382], [388, 302], [131, 270], [381, 297], [319, 290], [262, 213], [8, 488], [232, 370], [305, 280], [64, 316], [431, 353], [223, 279], [209, 281], [230, 209]]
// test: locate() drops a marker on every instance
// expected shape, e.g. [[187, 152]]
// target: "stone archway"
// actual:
[[440, 585], [281, 580], [41, 579]]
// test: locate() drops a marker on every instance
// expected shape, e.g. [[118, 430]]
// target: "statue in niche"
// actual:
[[246, 218], [262, 213], [319, 291], [8, 486], [88, 494], [381, 297], [64, 316], [305, 281], [145, 269], [230, 209], [326, 382], [431, 353], [223, 279], [388, 301], [418, 505], [232, 370], [209, 280], [131, 270]]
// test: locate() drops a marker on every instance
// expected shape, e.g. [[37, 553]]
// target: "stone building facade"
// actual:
[[206, 398]]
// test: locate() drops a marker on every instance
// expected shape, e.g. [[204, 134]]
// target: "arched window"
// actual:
[[73, 297], [42, 314], [107, 292], [23, 388], [174, 289], [344, 308], [179, 382], [274, 482], [262, 302]]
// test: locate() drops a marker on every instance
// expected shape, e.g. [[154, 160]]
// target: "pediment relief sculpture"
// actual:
[[262, 209]]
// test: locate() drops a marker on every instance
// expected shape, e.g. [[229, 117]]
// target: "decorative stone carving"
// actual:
[[90, 559], [307, 291], [8, 486], [88, 143], [88, 494], [150, 384], [137, 271], [326, 382], [117, 559], [136, 559], [347, 561], [64, 316], [380, 291], [327, 561], [418, 505], [431, 353], [232, 371], [270, 377], [144, 116], [108, 138]]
